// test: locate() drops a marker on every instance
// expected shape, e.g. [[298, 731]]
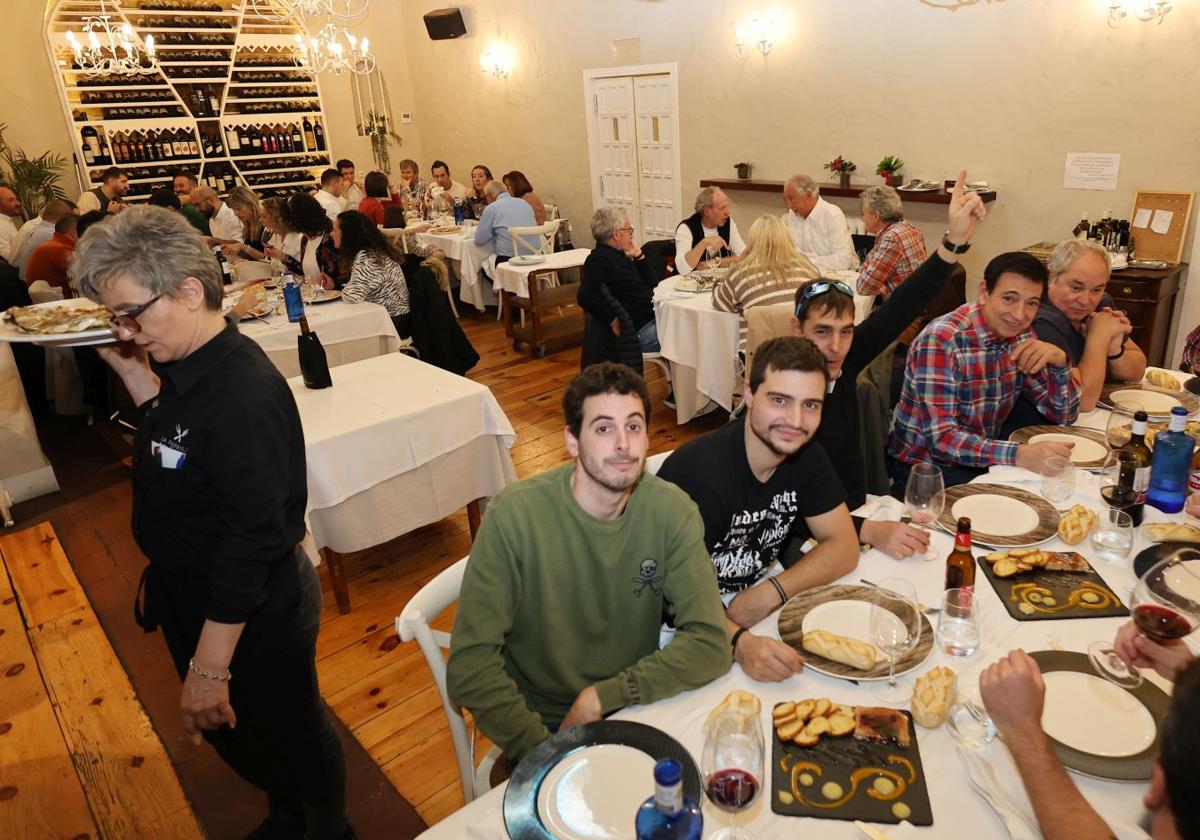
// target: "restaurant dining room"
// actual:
[[594, 419]]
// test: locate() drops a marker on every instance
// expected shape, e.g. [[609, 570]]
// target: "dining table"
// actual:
[[956, 807], [466, 260]]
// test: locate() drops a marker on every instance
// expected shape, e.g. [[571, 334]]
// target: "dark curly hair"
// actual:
[[305, 215], [359, 233], [602, 378]]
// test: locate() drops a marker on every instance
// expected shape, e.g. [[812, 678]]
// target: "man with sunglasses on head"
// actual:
[[825, 316]]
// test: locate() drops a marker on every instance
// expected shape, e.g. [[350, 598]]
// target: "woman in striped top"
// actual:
[[373, 266], [770, 271]]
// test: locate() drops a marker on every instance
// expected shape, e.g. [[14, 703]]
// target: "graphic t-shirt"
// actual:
[[746, 521]]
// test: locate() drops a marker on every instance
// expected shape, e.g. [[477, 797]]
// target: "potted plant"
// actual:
[[843, 168], [890, 168], [743, 170], [377, 127], [34, 180]]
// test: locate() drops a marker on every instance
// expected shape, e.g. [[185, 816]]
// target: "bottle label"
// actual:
[[1194, 482], [962, 540], [1141, 483], [669, 799]]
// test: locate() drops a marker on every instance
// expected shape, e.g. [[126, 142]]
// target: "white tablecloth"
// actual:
[[957, 810], [24, 470], [349, 332], [515, 278], [395, 444], [466, 258]]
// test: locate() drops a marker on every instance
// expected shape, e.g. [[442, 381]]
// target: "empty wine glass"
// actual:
[[895, 629], [1119, 428], [1058, 479], [712, 257], [732, 765], [924, 498]]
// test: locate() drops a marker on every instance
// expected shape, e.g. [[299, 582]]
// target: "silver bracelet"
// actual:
[[209, 676]]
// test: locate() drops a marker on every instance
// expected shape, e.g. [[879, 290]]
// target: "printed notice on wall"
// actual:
[[1091, 170]]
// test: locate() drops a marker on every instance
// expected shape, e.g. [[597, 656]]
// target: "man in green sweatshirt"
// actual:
[[559, 614]]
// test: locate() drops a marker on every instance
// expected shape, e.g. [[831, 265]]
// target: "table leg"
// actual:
[[507, 311], [473, 518], [337, 578]]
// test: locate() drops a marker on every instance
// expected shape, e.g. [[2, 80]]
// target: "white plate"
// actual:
[[845, 618], [529, 260], [1150, 402], [594, 793], [12, 333], [999, 516], [1090, 714], [1085, 450]]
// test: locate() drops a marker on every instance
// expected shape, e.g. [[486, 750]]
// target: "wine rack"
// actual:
[[229, 100]]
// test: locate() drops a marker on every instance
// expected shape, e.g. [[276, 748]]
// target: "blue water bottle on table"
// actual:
[[292, 299], [668, 815], [1171, 464], [458, 212]]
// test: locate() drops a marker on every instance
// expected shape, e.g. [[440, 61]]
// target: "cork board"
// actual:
[[1150, 244]]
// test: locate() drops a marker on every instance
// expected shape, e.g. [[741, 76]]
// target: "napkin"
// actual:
[[1020, 822], [881, 509], [1010, 475]]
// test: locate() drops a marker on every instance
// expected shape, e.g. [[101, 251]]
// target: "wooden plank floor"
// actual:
[[382, 689]]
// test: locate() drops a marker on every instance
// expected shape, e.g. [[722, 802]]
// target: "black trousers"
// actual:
[[284, 743]]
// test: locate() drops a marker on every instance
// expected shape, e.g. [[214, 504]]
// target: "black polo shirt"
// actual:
[[219, 484], [631, 282]]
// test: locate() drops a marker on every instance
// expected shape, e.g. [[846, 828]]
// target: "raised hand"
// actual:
[[966, 210]]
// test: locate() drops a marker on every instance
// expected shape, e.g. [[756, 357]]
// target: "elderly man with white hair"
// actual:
[[817, 227], [618, 263], [502, 212], [899, 247], [709, 227]]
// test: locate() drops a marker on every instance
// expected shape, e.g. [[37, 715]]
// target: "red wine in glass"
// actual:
[[732, 789], [1160, 623]]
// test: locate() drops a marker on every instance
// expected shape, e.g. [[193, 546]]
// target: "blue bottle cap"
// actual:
[[1179, 411], [668, 772]]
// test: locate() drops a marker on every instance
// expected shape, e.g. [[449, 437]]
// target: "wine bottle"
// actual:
[[1141, 460], [1081, 229], [177, 143], [193, 147], [214, 105], [314, 367], [168, 148], [319, 134], [244, 140], [668, 814], [960, 565], [90, 145], [232, 142], [1170, 464], [297, 139], [310, 138]]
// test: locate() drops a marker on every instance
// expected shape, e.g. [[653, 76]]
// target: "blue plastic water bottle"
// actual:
[[668, 815], [458, 211], [292, 299], [1171, 464]]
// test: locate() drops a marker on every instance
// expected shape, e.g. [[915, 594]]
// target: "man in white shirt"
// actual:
[[817, 227], [443, 183], [330, 194], [10, 215], [223, 223], [352, 191], [709, 227], [37, 230]]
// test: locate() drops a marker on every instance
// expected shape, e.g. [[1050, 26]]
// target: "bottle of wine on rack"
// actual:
[[310, 137], [319, 134]]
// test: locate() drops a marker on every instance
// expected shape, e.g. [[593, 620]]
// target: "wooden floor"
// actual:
[[381, 689]]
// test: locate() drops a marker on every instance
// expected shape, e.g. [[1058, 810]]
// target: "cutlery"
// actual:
[[928, 610], [871, 831]]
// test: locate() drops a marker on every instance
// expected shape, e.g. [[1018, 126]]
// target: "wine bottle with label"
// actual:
[[90, 145], [297, 139], [319, 135], [310, 139]]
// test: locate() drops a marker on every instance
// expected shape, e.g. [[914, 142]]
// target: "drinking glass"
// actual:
[[1119, 429], [712, 257], [1058, 479], [968, 719], [924, 498], [1112, 536], [958, 623], [895, 629], [310, 290], [732, 765]]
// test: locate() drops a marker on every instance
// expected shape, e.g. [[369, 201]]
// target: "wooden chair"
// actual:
[[537, 241]]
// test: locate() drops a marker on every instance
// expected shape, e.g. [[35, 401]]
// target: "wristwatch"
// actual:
[[951, 247]]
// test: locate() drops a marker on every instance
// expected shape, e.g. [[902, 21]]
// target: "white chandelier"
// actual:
[[338, 11], [1143, 10], [103, 49], [336, 50]]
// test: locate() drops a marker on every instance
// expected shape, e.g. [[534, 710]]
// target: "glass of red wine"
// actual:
[[1165, 605], [732, 765]]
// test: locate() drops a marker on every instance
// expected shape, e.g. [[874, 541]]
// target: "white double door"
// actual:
[[632, 124]]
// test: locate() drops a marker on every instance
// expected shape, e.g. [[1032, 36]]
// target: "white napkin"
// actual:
[[1010, 474], [881, 509], [1019, 821]]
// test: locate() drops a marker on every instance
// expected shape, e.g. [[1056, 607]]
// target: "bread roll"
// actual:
[[1076, 524], [1167, 532], [932, 696], [1162, 379], [841, 649]]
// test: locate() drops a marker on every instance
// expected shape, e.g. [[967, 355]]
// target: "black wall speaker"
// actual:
[[444, 24]]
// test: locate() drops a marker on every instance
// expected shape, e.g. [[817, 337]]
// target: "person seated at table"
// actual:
[[10, 217], [245, 205], [330, 194], [278, 235], [1014, 694], [899, 247], [443, 184], [770, 272], [183, 182], [107, 196], [165, 198], [561, 604], [760, 480], [37, 230], [824, 314], [965, 371], [49, 261], [223, 223], [378, 198], [709, 227], [413, 188], [318, 255], [503, 212], [619, 264], [519, 187], [476, 200], [374, 268], [352, 191], [817, 228]]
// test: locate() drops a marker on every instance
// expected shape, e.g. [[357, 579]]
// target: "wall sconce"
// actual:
[[754, 32], [498, 59], [1143, 10]]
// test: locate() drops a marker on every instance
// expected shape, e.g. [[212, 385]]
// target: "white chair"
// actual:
[[656, 461], [399, 238], [413, 623], [537, 241]]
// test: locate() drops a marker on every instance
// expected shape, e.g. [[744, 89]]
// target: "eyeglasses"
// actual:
[[628, 229], [128, 320], [822, 287]]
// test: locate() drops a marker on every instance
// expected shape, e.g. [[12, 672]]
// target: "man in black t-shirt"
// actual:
[[759, 481]]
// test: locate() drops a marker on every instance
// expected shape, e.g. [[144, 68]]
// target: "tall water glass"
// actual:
[[1112, 536], [958, 623], [1058, 479]]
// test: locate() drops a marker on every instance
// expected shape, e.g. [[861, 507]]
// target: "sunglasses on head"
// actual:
[[819, 288]]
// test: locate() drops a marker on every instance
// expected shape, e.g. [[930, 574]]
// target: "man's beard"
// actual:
[[765, 437], [594, 472]]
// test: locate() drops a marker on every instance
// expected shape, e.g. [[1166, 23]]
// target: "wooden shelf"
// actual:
[[834, 190]]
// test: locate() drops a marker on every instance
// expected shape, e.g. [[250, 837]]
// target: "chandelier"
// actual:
[[336, 11], [336, 50], [107, 49], [1143, 10]]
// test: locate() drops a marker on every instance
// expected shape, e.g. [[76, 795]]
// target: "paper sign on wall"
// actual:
[[1161, 223], [1091, 170], [1141, 218]]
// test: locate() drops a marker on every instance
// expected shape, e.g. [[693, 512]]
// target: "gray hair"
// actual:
[[1068, 251], [884, 202], [493, 189], [156, 248], [706, 197], [804, 184], [605, 222]]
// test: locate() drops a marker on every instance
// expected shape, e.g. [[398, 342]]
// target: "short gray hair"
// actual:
[[493, 189], [804, 184], [605, 222], [1069, 250], [884, 202], [706, 197], [154, 247]]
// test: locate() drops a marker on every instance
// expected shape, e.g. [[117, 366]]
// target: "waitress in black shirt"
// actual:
[[218, 508]]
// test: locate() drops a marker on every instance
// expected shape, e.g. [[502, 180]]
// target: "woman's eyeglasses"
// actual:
[[128, 320], [819, 288]]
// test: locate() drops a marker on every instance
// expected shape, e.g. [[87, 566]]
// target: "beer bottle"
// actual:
[[960, 565]]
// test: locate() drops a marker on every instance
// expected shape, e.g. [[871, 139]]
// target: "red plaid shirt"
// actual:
[[959, 386], [899, 249]]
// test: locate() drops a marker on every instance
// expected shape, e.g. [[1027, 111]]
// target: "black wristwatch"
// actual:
[[951, 247]]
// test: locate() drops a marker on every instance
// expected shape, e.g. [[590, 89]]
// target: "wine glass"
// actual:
[[732, 765], [712, 257], [1165, 605], [1111, 491], [895, 629], [1119, 428], [924, 498]]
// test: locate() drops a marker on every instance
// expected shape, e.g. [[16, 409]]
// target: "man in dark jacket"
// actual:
[[619, 264]]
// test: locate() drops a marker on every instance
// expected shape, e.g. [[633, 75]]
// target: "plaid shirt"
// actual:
[[899, 249], [960, 385]]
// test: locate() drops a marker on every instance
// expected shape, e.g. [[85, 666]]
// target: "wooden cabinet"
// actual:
[[1148, 297]]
